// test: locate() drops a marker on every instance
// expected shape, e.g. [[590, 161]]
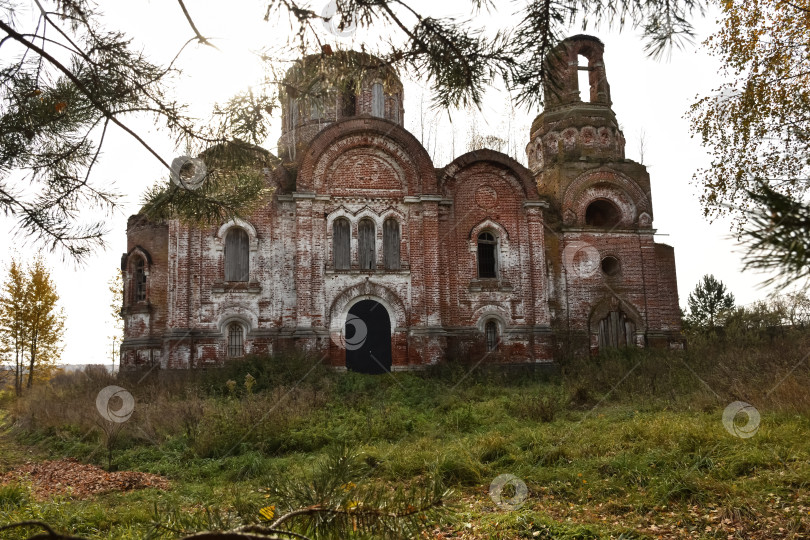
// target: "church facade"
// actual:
[[374, 258]]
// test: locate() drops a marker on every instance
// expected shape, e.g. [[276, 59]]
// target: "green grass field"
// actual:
[[626, 446]]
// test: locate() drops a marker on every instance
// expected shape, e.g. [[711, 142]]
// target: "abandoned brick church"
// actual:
[[371, 256]]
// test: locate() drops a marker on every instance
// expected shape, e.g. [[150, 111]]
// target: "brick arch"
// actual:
[[521, 178], [236, 313], [137, 250], [384, 136], [491, 224], [605, 192], [613, 303], [491, 311], [367, 290], [616, 187], [238, 223]]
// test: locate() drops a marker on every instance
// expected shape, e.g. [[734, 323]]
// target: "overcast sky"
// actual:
[[649, 97]]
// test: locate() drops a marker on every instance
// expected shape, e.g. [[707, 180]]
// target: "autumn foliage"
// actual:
[[756, 125], [31, 323]]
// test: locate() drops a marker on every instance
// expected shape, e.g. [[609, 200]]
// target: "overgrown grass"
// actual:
[[627, 445]]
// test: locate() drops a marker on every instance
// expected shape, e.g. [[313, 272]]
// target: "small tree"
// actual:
[[708, 302], [13, 306], [46, 322], [116, 288]]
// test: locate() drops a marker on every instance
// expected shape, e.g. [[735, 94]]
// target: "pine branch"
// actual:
[[778, 237]]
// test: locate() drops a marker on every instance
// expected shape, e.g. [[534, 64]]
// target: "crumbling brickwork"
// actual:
[[371, 257]]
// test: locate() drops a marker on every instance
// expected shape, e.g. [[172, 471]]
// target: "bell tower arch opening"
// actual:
[[584, 79]]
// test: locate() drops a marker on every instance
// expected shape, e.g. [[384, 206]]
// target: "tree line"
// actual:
[[711, 308]]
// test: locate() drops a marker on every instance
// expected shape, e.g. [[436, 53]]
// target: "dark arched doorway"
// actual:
[[368, 338]]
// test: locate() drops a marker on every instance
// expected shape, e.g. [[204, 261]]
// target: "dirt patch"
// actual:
[[69, 477]]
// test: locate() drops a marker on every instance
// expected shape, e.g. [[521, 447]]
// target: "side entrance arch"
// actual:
[[368, 338]]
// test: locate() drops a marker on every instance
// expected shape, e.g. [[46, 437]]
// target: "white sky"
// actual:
[[649, 97]]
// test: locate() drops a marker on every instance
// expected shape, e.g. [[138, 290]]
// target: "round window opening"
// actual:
[[611, 266]]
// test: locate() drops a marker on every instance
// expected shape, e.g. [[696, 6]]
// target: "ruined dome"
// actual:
[[321, 89]]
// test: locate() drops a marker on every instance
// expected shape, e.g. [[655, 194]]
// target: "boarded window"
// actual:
[[341, 244], [237, 253], [616, 330], [396, 113], [236, 340], [377, 100], [391, 244], [366, 249], [486, 255], [491, 332], [140, 280]]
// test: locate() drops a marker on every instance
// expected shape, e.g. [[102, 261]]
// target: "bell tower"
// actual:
[[577, 132], [616, 285]]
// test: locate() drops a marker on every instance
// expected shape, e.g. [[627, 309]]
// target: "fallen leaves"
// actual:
[[69, 477]]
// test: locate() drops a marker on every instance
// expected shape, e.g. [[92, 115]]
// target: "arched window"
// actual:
[[602, 213], [584, 79], [391, 240], [366, 248], [236, 340], [377, 100], [341, 244], [237, 254], [491, 333], [487, 263], [140, 280]]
